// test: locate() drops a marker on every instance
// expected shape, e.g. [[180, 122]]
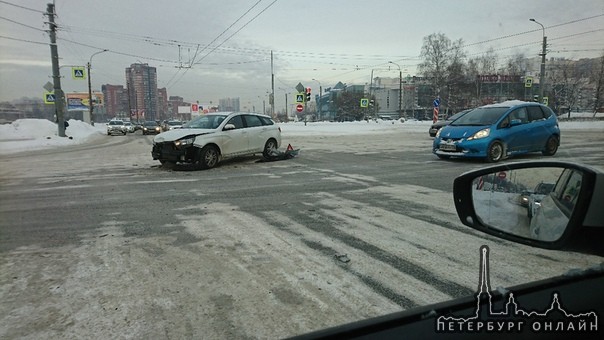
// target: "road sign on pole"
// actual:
[[299, 107], [300, 87], [299, 97], [49, 98], [78, 72]]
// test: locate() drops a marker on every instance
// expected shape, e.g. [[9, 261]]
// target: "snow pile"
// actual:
[[33, 134]]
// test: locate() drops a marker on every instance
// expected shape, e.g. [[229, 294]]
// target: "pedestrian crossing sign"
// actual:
[[49, 98], [299, 97], [78, 72]]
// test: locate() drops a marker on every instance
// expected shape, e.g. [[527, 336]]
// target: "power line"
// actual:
[[242, 27], [22, 24], [23, 40], [22, 7], [227, 39]]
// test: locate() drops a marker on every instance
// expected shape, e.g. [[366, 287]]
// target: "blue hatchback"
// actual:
[[496, 131]]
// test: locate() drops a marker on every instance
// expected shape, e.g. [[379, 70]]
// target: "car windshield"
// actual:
[[174, 123], [116, 122], [150, 123], [481, 116], [205, 122]]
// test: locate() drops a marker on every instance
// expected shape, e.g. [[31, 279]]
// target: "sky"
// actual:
[[205, 50]]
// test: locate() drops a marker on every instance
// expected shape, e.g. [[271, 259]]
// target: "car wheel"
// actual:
[[495, 152], [270, 145], [551, 146], [207, 157]]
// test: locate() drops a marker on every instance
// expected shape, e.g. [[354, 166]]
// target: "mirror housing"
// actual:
[[587, 212], [229, 127]]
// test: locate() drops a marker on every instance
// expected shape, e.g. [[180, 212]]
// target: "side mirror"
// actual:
[[229, 127], [543, 204]]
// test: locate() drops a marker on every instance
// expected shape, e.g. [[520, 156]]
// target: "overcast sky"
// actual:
[[229, 42]]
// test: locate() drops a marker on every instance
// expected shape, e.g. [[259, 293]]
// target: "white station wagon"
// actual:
[[209, 138]]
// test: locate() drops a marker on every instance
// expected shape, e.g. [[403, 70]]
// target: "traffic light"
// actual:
[[308, 94]]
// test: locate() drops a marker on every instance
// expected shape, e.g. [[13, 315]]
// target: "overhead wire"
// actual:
[[22, 7]]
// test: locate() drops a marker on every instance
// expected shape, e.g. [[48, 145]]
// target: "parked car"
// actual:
[[439, 124], [534, 200], [116, 126], [209, 138], [151, 127], [494, 132]]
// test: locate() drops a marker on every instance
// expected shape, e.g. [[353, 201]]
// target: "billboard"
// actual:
[[78, 101]]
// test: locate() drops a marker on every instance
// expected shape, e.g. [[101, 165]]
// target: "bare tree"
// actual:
[[436, 58], [517, 64], [599, 90], [488, 62], [566, 79]]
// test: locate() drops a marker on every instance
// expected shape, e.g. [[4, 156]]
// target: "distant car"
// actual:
[[439, 124], [116, 126], [151, 127], [129, 127], [209, 138], [494, 132], [172, 124], [534, 200]]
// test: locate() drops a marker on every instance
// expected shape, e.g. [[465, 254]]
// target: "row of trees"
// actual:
[[453, 76]]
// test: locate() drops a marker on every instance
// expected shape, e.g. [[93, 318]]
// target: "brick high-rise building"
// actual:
[[116, 101], [141, 80]]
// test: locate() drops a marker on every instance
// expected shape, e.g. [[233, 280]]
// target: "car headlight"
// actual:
[[438, 133], [480, 134], [184, 142]]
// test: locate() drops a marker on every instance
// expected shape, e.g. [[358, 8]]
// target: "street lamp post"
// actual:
[[90, 118], [400, 89], [543, 52], [320, 95]]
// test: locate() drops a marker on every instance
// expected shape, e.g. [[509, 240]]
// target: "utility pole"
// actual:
[[56, 76], [286, 116], [272, 98], [90, 102], [400, 89], [542, 71]]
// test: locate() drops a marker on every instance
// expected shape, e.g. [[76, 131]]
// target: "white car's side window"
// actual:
[[252, 121], [237, 121]]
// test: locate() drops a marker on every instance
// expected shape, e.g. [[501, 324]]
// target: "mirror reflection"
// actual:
[[533, 203]]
